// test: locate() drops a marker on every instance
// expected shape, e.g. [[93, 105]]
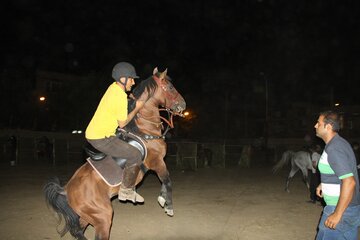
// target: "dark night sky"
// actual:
[[305, 48]]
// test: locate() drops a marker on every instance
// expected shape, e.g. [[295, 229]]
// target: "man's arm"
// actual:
[[139, 104], [346, 194]]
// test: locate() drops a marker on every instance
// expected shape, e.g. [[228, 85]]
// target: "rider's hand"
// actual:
[[139, 104], [131, 96]]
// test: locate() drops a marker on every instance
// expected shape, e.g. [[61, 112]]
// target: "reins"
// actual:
[[169, 122]]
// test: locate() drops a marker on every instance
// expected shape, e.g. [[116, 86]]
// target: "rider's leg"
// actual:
[[127, 187], [115, 147], [131, 171]]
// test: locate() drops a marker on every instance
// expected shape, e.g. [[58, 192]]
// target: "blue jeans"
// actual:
[[347, 228]]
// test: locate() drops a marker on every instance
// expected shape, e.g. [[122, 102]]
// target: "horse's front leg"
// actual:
[[165, 197], [155, 162]]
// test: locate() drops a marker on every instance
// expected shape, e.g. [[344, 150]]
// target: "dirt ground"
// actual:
[[210, 203]]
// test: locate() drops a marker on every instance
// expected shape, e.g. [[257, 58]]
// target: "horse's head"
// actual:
[[155, 91], [166, 93]]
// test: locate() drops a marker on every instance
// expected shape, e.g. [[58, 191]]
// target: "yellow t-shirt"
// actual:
[[112, 107]]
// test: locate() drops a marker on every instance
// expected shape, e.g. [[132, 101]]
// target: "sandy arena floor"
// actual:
[[211, 203]]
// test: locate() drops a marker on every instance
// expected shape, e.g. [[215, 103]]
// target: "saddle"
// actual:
[[111, 168]]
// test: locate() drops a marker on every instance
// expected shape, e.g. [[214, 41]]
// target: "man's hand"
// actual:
[[318, 191], [139, 104], [332, 220], [132, 96]]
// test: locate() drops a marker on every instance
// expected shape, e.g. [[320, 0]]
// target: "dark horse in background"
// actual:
[[86, 198]]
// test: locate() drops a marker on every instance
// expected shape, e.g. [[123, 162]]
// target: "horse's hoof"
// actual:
[[169, 212], [161, 201]]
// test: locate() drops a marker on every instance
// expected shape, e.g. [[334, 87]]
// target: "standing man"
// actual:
[[339, 182], [112, 112]]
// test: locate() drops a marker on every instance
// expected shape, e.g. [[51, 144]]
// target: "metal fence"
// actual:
[[67, 149], [38, 148]]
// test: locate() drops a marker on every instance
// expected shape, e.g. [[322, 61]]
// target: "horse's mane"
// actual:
[[148, 85]]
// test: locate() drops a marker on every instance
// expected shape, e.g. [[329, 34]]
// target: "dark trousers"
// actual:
[[314, 183], [115, 147]]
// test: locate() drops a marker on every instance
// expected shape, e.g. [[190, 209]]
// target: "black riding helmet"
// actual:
[[123, 69]]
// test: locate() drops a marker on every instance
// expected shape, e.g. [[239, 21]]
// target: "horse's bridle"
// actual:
[[171, 113], [165, 89]]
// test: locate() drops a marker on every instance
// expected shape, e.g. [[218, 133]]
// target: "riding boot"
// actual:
[[127, 187]]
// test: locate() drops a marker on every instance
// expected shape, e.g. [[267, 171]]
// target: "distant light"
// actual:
[[337, 104], [76, 131], [42, 98], [186, 114]]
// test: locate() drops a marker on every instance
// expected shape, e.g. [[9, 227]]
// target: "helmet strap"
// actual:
[[124, 84]]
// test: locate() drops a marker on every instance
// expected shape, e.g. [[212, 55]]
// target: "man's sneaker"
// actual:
[[130, 194]]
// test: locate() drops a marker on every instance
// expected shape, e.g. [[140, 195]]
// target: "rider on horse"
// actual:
[[112, 112]]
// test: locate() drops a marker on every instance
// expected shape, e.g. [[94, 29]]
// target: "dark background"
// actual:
[[225, 57]]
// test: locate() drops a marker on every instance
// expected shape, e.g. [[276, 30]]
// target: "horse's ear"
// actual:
[[163, 74], [155, 71]]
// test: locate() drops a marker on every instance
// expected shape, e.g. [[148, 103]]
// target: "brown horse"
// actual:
[[86, 198]]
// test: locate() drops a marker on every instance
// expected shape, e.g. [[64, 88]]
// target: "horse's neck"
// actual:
[[150, 110], [149, 121]]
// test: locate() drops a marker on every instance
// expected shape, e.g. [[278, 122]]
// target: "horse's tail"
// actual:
[[55, 198], [287, 155]]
